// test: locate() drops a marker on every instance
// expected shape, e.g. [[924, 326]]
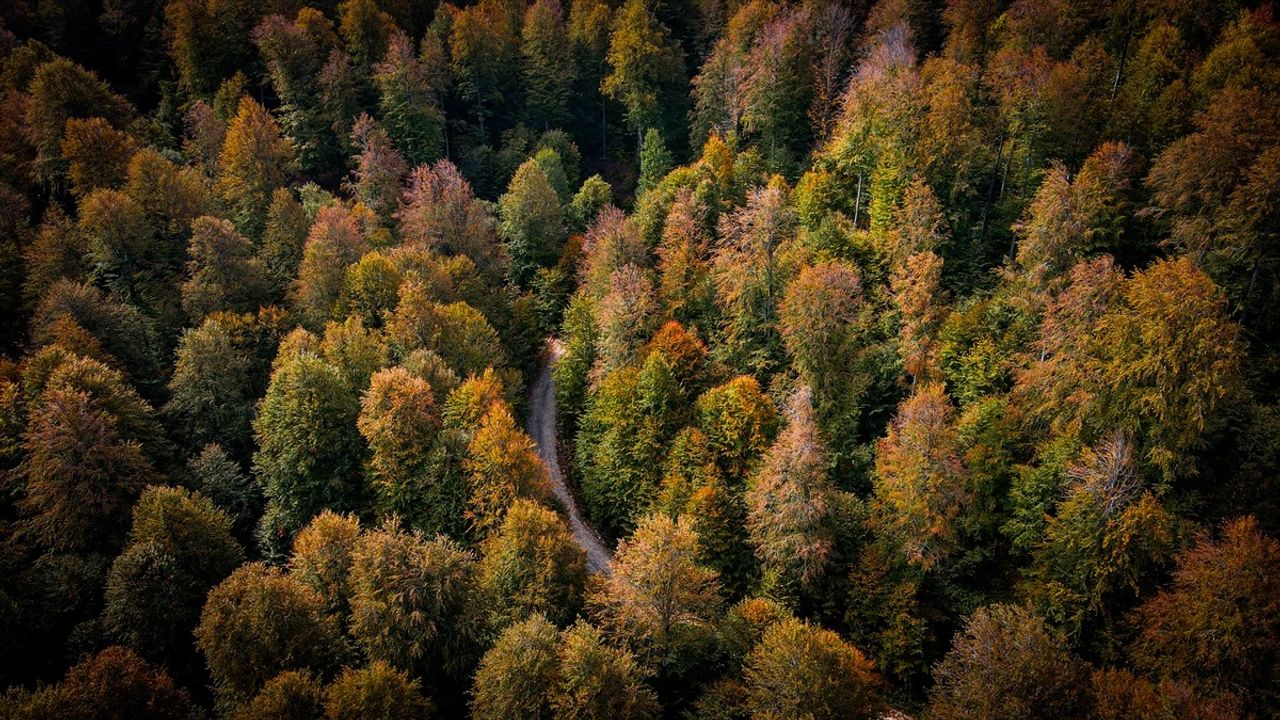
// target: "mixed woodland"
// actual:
[[911, 357]]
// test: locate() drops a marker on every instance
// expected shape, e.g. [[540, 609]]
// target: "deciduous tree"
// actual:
[[799, 670], [413, 602], [259, 622], [1007, 664], [255, 160], [659, 598], [920, 483], [532, 567], [790, 500]]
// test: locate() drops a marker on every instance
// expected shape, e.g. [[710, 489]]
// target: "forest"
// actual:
[[639, 359]]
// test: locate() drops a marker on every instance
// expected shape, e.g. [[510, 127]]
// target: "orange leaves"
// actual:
[[502, 466]]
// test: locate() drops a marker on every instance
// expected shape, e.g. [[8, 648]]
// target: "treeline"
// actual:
[[915, 355]]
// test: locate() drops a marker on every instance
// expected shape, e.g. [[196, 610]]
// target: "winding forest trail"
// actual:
[[542, 427]]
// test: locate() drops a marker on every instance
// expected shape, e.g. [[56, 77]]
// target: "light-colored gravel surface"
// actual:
[[542, 428]]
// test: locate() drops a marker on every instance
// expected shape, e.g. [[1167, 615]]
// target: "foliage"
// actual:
[[1007, 664], [412, 602], [258, 622], [531, 566], [801, 671]]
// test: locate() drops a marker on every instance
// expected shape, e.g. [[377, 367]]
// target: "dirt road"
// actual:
[[542, 428]]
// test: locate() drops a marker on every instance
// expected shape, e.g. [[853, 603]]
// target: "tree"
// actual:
[[309, 453], [1007, 664], [548, 72], [598, 681], [790, 500], [380, 168], [1173, 332], [371, 289], [457, 332], [321, 558], [189, 527], [180, 547], [283, 239], [1120, 694], [87, 321], [658, 598], [1213, 189], [57, 252], [377, 691], [655, 161], [1153, 356], [778, 88], [518, 675], [412, 602], [114, 684], [588, 202], [920, 483], [484, 45], [171, 196], [739, 421], [216, 381], [502, 467], [82, 470], [219, 478], [531, 221], [818, 319], [223, 274], [799, 670], [410, 465], [625, 317], [916, 226], [532, 567], [645, 67], [259, 622], [1069, 219], [61, 90], [409, 89], [750, 278], [97, 154], [365, 30], [295, 53], [833, 26], [255, 160], [470, 401], [1223, 588], [442, 213], [1108, 538], [918, 295], [612, 241], [291, 695], [589, 26], [684, 271], [334, 242], [122, 242], [210, 41], [620, 444]]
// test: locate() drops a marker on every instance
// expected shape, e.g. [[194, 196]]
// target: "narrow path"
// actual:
[[542, 427]]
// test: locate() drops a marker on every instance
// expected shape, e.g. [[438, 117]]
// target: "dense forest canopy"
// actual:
[[706, 359]]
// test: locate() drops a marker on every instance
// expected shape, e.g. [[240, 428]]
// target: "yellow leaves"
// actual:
[[920, 476], [502, 466]]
